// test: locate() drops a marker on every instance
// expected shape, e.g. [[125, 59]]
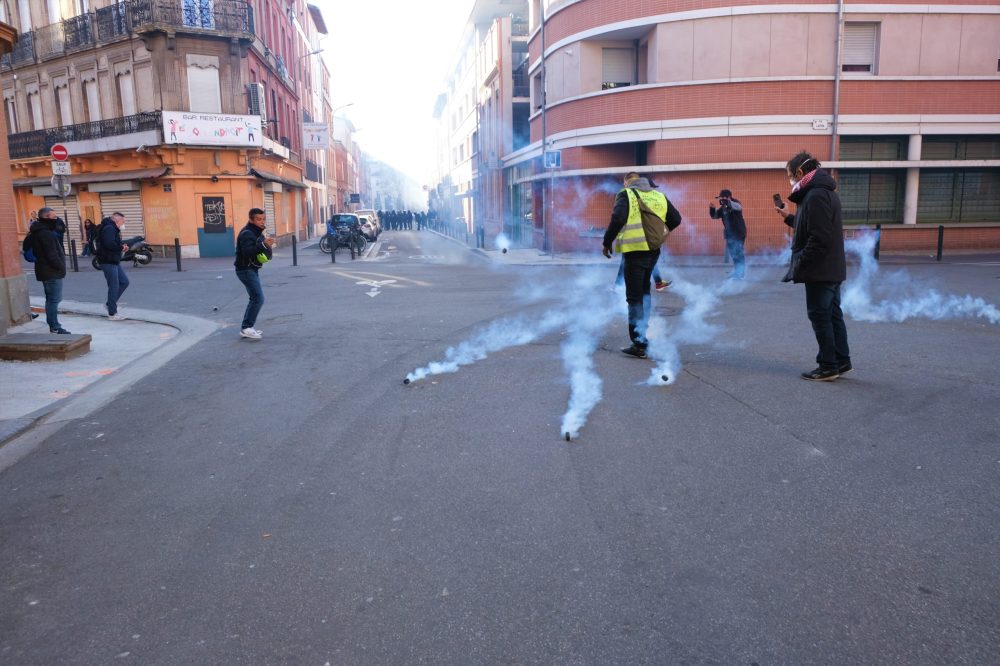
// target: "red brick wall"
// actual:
[[594, 13], [582, 208]]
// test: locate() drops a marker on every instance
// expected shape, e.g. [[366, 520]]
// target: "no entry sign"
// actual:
[[59, 152]]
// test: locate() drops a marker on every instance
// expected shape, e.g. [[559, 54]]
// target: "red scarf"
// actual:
[[805, 181]]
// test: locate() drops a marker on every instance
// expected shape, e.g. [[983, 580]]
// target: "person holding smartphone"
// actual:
[[818, 261], [734, 230]]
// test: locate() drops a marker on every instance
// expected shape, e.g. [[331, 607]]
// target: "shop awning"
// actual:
[[275, 178], [103, 177]]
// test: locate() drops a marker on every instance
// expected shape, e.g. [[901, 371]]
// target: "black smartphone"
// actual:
[[778, 202]]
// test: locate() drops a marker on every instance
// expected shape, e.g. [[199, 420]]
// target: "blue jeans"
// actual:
[[735, 248], [117, 284], [53, 295], [823, 306], [251, 281], [638, 272]]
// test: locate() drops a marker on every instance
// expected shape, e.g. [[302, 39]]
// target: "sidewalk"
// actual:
[[48, 393]]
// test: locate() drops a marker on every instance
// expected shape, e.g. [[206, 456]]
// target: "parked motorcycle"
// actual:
[[139, 252]]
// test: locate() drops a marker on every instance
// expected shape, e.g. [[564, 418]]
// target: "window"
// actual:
[[960, 148], [203, 83], [959, 195], [859, 48], [11, 109], [537, 94], [199, 13], [35, 105], [91, 97], [618, 67], [63, 104], [871, 197], [24, 14], [126, 92], [870, 148]]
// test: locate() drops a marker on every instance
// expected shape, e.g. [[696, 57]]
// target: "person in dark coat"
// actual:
[[109, 252], [734, 230], [253, 250], [818, 261], [89, 229], [50, 263]]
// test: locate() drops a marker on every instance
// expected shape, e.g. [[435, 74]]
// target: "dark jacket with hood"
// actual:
[[109, 242], [818, 238], [249, 244], [733, 225], [619, 212], [50, 262]]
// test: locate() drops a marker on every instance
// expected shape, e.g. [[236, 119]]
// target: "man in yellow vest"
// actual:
[[640, 221]]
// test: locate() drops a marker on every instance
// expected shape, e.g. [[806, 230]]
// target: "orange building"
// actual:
[[163, 116], [900, 101]]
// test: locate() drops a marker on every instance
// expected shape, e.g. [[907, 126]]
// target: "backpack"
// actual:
[[26, 249], [654, 228]]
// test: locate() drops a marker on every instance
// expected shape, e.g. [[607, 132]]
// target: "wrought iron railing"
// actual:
[[39, 142], [79, 32], [112, 22], [314, 172], [120, 19]]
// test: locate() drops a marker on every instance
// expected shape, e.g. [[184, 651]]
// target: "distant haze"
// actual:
[[391, 58]]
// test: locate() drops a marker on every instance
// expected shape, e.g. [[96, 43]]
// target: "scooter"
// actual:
[[139, 252]]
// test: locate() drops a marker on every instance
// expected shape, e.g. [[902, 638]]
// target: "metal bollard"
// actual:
[[177, 253], [878, 239], [295, 251], [940, 241], [72, 250], [333, 248]]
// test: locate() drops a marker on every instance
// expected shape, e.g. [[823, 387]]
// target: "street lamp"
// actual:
[[306, 55], [342, 106]]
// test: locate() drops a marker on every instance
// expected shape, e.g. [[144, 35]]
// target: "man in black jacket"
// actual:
[[109, 252], [253, 249], [50, 263], [734, 230], [818, 261]]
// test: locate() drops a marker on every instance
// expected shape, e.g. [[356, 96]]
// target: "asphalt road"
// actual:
[[290, 501]]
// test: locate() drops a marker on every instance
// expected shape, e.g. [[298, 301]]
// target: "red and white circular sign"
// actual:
[[59, 152]]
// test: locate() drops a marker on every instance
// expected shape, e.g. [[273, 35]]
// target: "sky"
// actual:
[[389, 59]]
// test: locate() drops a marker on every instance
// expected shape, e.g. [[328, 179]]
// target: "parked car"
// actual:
[[371, 216]]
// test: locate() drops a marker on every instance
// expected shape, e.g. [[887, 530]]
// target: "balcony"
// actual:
[[38, 143], [120, 20], [519, 27], [314, 172]]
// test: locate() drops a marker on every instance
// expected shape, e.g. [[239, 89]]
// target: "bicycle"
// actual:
[[343, 235]]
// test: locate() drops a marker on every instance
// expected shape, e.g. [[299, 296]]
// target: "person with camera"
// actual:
[[734, 230], [818, 261], [253, 250]]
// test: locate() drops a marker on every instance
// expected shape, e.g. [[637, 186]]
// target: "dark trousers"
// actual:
[[117, 284], [638, 272], [251, 281], [823, 306]]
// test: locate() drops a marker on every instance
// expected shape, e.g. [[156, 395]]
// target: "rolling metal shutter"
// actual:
[[859, 47], [269, 212], [617, 67], [128, 204], [71, 217]]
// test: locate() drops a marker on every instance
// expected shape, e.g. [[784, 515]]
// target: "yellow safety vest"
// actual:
[[632, 238]]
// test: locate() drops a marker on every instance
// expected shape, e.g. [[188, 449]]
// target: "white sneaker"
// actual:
[[259, 332], [251, 333], [117, 317]]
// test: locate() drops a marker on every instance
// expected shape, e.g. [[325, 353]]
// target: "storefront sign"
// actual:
[[211, 129], [315, 136], [213, 212]]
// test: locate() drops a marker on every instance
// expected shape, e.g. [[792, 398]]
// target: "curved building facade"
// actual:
[[901, 100]]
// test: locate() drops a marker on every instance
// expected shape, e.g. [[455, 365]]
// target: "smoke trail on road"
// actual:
[[904, 298], [691, 327]]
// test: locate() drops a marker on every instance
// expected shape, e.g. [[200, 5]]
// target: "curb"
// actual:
[[46, 421]]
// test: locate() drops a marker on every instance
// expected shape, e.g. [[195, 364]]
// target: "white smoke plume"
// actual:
[[902, 297], [691, 327]]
